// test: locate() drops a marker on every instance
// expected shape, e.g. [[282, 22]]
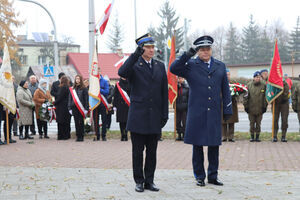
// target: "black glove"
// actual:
[[246, 110], [163, 122], [139, 50], [191, 52], [264, 110], [226, 117]]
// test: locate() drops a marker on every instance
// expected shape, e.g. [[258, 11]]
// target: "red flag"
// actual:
[[101, 25], [172, 79], [275, 80]]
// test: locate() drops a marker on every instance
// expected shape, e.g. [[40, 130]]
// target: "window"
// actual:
[[42, 60], [23, 60]]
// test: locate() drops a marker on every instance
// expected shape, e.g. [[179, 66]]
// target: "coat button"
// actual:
[[209, 98], [151, 100], [208, 109], [150, 108], [208, 76], [209, 87]]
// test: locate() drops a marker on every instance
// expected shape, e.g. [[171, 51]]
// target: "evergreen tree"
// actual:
[[265, 47], [232, 49], [294, 43], [116, 37], [166, 30], [250, 41]]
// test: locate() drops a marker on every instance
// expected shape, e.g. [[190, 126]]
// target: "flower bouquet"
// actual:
[[237, 89], [45, 111], [87, 125]]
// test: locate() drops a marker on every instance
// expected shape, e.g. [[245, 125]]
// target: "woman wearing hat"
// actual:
[[41, 95], [24, 99]]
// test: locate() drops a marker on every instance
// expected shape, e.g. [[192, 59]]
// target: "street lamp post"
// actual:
[[54, 29]]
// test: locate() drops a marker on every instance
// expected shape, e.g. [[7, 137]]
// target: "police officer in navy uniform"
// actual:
[[209, 88], [148, 111]]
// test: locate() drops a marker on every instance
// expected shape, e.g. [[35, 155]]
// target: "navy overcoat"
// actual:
[[208, 89], [148, 95]]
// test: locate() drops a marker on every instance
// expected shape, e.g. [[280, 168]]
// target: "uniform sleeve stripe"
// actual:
[[229, 104]]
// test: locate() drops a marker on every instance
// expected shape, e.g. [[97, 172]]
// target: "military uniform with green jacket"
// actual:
[[296, 100], [255, 105], [281, 106], [228, 126]]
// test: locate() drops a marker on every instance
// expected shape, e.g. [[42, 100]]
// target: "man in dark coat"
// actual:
[[181, 107], [148, 111], [209, 88], [33, 86], [55, 85]]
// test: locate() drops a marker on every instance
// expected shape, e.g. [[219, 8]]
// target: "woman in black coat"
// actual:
[[63, 117], [122, 107], [79, 108]]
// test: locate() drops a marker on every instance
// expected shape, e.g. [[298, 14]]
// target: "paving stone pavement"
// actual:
[[51, 169], [116, 184]]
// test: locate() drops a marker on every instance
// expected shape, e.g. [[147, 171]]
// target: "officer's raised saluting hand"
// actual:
[[191, 52], [139, 50]]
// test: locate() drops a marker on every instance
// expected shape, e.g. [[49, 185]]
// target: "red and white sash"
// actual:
[[123, 94], [52, 113], [17, 114], [104, 101], [77, 102]]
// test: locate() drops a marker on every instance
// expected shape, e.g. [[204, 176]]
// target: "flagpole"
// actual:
[[7, 132], [273, 119]]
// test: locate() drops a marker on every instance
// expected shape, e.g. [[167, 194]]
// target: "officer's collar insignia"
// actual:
[[141, 63]]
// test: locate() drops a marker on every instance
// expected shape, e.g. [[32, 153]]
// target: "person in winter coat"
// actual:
[[181, 107], [78, 106], [41, 95], [255, 104], [24, 99], [228, 126], [63, 117], [121, 106]]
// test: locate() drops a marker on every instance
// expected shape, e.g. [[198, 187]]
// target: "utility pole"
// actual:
[[91, 32], [55, 44]]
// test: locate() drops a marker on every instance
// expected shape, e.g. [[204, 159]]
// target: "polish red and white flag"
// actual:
[[101, 24]]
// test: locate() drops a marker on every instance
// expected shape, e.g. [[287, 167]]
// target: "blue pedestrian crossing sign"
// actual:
[[48, 71]]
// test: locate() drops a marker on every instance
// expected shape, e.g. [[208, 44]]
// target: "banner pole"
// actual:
[[273, 119], [7, 132], [175, 120]]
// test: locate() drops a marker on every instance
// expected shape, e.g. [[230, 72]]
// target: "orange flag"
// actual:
[[172, 79]]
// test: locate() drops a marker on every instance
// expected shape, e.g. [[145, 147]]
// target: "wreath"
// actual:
[[45, 111], [237, 89]]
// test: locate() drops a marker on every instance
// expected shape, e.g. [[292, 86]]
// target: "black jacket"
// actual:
[[54, 88], [61, 105], [119, 103], [83, 96], [149, 108], [182, 97]]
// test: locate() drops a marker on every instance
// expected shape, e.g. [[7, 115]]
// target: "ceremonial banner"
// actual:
[[94, 88], [7, 94], [101, 24], [172, 79], [275, 80]]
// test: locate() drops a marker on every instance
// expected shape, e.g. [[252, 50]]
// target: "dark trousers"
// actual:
[[26, 129], [100, 110], [255, 122], [108, 120], [32, 127], [15, 127], [42, 127], [123, 128], [139, 142], [79, 123], [180, 121], [283, 110], [213, 162], [10, 123], [63, 132]]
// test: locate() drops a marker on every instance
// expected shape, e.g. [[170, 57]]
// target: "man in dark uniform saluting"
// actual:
[[209, 88], [148, 111]]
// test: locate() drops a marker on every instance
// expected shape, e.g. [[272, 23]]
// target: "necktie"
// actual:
[[207, 65]]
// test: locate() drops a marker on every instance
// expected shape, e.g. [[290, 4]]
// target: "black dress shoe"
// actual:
[[1, 143], [231, 140], [224, 140], [215, 182], [46, 137], [283, 139], [139, 187], [200, 182], [274, 139], [12, 141], [151, 187], [103, 138]]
